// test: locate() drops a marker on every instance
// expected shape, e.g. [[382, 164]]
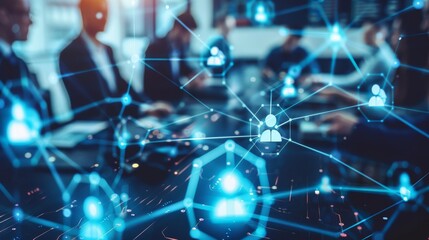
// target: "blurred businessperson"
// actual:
[[162, 79], [90, 72], [15, 22]]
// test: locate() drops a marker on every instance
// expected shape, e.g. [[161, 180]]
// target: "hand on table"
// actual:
[[159, 109], [341, 123]]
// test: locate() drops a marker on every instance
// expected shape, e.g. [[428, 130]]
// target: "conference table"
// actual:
[[314, 190]]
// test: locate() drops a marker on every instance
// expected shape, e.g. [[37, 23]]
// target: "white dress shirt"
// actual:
[[101, 59]]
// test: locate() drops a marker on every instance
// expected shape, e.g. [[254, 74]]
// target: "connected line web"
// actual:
[[230, 183]]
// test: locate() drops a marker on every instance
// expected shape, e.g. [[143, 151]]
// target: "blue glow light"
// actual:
[[405, 188], [233, 209], [94, 178], [18, 112], [261, 12], [289, 90], [325, 186], [418, 4], [336, 35], [92, 208], [230, 183], [18, 214], [195, 233], [67, 213], [92, 231], [19, 132], [119, 224], [405, 193], [24, 126], [126, 100]]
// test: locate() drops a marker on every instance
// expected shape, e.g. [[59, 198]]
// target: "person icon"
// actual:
[[261, 14], [289, 90], [217, 58], [379, 97], [271, 135]]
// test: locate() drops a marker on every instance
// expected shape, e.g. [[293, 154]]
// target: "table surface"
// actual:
[[152, 194]]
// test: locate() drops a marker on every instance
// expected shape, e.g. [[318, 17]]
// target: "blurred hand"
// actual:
[[159, 109], [268, 73], [341, 123], [312, 81], [198, 82], [337, 95]]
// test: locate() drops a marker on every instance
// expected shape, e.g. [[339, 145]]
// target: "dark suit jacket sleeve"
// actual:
[[123, 85], [185, 68], [382, 142]]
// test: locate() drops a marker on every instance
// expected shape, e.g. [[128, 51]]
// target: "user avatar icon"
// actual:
[[289, 90], [271, 135], [261, 14], [217, 58], [379, 97]]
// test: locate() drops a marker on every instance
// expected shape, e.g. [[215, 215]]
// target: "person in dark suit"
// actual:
[[161, 76], [18, 86], [89, 70], [284, 58], [15, 77]]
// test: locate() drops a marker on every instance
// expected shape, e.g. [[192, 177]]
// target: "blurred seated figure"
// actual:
[[15, 22], [218, 56], [22, 102], [412, 48], [289, 58], [396, 139], [90, 73], [380, 60], [166, 63]]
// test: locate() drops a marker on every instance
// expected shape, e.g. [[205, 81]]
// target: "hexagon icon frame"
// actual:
[[230, 148], [387, 107], [211, 70], [286, 139]]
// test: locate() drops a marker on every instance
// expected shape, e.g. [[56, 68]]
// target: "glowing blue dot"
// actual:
[[195, 233], [126, 99], [122, 144], [335, 34], [94, 178], [18, 112], [18, 214], [325, 186], [188, 202], [229, 145], [230, 183], [405, 193], [114, 198], [19, 132], [418, 4], [119, 224], [125, 197], [92, 208], [67, 212]]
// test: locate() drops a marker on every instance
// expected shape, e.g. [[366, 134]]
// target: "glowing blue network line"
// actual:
[[180, 205]]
